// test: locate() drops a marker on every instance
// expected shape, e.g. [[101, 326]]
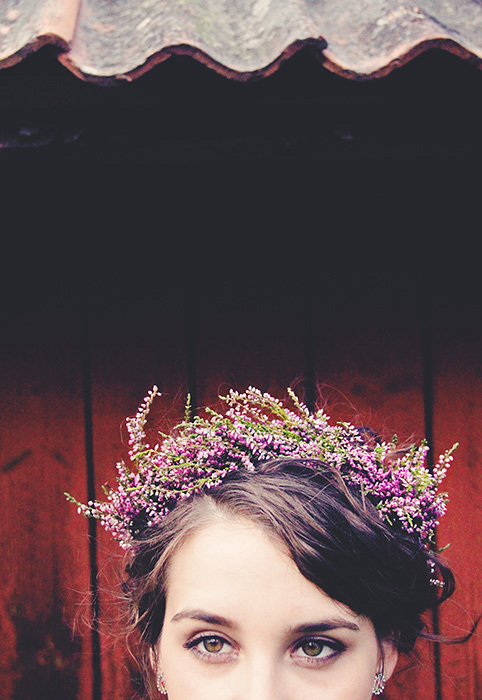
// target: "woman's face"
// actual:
[[242, 623]]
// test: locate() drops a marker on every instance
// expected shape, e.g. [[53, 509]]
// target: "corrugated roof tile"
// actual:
[[109, 41]]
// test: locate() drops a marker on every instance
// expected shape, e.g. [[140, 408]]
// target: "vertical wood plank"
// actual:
[[368, 356], [137, 339], [371, 374], [457, 417], [45, 571], [119, 385]]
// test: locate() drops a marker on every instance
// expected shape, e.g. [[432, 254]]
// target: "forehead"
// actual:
[[234, 569]]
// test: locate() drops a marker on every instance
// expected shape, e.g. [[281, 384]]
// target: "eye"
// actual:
[[211, 648], [213, 645], [312, 647], [315, 649]]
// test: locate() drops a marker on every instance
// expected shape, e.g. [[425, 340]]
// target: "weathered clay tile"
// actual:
[[25, 25], [105, 41]]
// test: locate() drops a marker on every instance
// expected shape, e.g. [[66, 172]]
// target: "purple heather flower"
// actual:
[[257, 427]]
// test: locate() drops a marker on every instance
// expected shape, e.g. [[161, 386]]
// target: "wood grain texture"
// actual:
[[122, 376], [137, 338], [45, 570], [457, 417], [280, 286], [371, 374]]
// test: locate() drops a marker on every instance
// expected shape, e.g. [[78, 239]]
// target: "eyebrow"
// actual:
[[195, 614], [324, 626], [307, 628]]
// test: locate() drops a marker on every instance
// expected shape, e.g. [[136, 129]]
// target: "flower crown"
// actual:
[[257, 427]]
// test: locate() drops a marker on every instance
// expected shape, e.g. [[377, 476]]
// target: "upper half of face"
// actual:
[[242, 623]]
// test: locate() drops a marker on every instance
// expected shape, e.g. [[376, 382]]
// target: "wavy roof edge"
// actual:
[[361, 42], [326, 58]]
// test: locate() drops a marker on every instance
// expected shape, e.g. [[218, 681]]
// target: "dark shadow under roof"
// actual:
[[110, 41]]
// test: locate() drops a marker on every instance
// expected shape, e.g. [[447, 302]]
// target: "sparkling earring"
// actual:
[[379, 683], [161, 683]]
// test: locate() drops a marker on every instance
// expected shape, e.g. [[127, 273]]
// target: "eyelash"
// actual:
[[210, 657], [337, 648]]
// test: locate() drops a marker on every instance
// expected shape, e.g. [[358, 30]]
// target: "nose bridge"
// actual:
[[263, 679]]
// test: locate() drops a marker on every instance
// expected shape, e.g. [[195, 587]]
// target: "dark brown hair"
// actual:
[[331, 531]]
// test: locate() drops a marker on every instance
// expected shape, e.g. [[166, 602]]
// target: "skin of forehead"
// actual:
[[259, 569]]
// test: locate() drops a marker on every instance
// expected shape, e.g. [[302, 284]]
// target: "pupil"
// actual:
[[213, 645], [312, 648]]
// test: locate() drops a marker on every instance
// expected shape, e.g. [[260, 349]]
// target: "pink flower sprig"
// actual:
[[257, 427]]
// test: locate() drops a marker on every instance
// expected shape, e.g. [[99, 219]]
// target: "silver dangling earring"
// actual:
[[379, 683], [161, 683]]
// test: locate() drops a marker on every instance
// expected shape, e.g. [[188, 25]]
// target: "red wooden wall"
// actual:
[[334, 283]]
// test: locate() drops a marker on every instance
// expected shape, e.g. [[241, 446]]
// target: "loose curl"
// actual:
[[330, 530]]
